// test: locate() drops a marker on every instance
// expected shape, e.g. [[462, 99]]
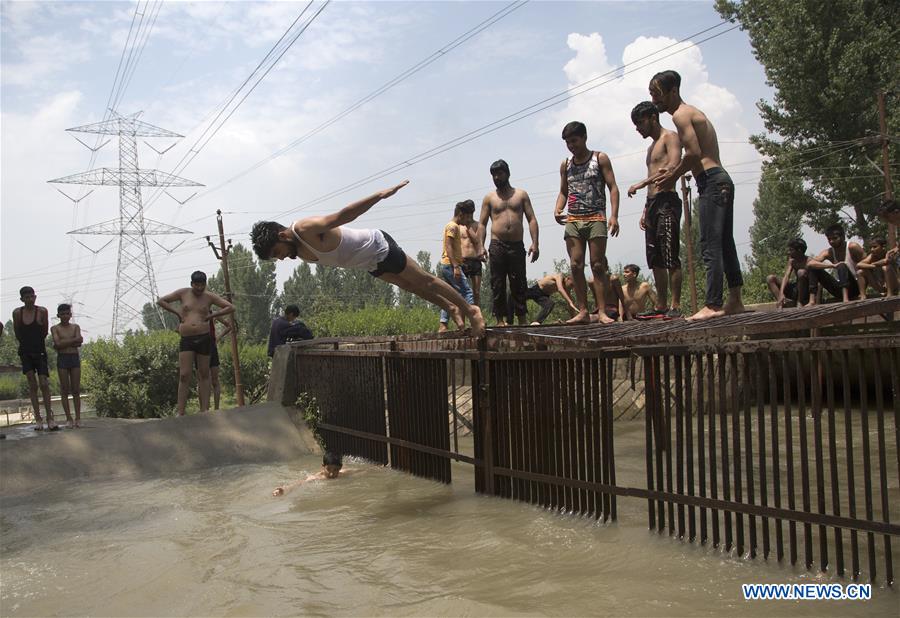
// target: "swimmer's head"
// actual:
[[272, 241], [332, 464]]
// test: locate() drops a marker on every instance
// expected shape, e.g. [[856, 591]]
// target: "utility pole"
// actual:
[[888, 187], [686, 199], [221, 254]]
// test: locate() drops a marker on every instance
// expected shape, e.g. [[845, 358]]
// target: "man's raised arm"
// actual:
[[345, 215]]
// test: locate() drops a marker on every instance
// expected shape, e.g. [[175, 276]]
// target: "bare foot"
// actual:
[[77, 424], [279, 491], [535, 324], [442, 328], [730, 308], [502, 324], [706, 313], [457, 317], [70, 424], [582, 317], [39, 427], [477, 321], [603, 318]]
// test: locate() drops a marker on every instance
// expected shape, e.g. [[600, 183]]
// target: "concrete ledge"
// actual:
[[110, 448]]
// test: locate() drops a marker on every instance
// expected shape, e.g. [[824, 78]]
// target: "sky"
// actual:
[[58, 65]]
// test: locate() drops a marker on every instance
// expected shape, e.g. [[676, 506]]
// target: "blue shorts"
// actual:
[[68, 361]]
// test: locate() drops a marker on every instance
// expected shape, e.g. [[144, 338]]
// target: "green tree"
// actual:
[[827, 61], [253, 291], [778, 210], [300, 289]]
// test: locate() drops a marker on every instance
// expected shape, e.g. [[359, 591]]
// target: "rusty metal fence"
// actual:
[[782, 449]]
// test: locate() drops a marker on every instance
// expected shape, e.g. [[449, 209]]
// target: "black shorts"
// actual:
[[68, 361], [663, 230], [198, 344], [395, 260], [36, 362], [471, 267]]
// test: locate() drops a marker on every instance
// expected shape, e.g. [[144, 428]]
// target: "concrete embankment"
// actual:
[[113, 448]]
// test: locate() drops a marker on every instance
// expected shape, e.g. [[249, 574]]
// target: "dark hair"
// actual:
[[500, 164], [332, 459], [465, 207], [879, 240], [667, 80], [27, 289], [888, 206], [798, 243], [292, 309], [63, 307], [198, 276], [633, 267], [644, 109], [263, 236], [835, 228], [574, 128]]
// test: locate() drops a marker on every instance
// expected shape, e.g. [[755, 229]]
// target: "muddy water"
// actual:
[[375, 543]]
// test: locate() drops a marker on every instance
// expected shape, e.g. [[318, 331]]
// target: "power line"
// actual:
[[401, 77]]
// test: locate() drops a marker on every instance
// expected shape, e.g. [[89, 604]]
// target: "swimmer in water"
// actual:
[[332, 468]]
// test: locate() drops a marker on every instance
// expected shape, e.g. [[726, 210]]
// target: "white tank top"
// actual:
[[358, 249], [848, 259]]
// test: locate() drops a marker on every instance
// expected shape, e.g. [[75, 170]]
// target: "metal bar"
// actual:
[[581, 407], [851, 464], [609, 467], [877, 527], [789, 453], [702, 412], [761, 432], [413, 446], [713, 413], [559, 386], [882, 470], [723, 433], [804, 459], [452, 363], [659, 434], [816, 378], [679, 438], [832, 457], [776, 445], [867, 466], [667, 389], [689, 441], [648, 437], [748, 446], [736, 376]]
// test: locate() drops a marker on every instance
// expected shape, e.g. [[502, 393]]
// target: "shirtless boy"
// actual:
[[870, 270], [505, 208], [450, 268], [474, 256], [542, 293], [636, 293], [701, 158], [661, 219], [788, 293], [31, 323], [583, 181], [195, 315], [332, 468], [67, 339], [841, 257], [324, 240]]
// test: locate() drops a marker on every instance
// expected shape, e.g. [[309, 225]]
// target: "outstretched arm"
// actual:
[[483, 218], [318, 225], [561, 288], [563, 194]]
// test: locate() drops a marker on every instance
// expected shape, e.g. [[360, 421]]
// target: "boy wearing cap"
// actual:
[[195, 315]]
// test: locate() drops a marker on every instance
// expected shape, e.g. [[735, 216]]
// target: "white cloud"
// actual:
[[42, 57]]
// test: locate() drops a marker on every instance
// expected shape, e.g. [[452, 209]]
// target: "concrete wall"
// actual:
[[112, 448]]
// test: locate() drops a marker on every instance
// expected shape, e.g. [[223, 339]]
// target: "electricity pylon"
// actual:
[[135, 280]]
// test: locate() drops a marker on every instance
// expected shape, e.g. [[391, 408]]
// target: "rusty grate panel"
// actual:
[[680, 331]]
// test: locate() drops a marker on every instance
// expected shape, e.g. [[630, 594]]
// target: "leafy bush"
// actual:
[[254, 370], [137, 378], [309, 408], [10, 387], [374, 321]]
